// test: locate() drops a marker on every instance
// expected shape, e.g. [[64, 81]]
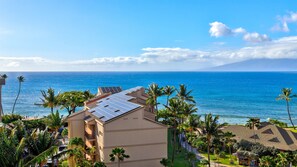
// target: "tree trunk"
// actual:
[[173, 148], [52, 109], [208, 151], [16, 97], [230, 151], [167, 100], [119, 165], [156, 112], [288, 110]]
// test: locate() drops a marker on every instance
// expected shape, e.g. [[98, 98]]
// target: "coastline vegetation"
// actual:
[[34, 142]]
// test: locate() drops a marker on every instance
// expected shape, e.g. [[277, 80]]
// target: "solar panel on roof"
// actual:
[[115, 104]]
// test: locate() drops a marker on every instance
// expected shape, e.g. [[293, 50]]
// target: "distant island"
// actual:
[[258, 65]]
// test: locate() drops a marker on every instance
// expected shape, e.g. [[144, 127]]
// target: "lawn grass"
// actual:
[[224, 161], [179, 159]]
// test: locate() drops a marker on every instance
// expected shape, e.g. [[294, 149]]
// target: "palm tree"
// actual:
[[187, 110], [154, 91], [2, 82], [41, 145], [49, 99], [11, 149], [252, 123], [211, 128], [287, 96], [184, 94], [20, 79], [54, 121], [118, 153], [168, 91], [192, 123], [229, 141], [76, 151], [173, 111], [64, 134]]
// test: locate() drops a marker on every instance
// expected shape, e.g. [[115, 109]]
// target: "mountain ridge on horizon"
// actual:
[[262, 64]]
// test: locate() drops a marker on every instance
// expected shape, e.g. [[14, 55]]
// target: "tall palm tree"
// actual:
[[191, 125], [229, 141], [168, 91], [187, 110], [253, 123], [49, 99], [119, 154], [20, 79], [54, 121], [211, 128], [173, 111], [287, 96], [2, 82], [76, 150], [41, 145], [184, 94], [154, 91]]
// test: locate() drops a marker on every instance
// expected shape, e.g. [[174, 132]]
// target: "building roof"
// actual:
[[268, 134], [111, 90], [115, 105]]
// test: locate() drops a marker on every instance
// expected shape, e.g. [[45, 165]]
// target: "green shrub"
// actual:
[[278, 123], [35, 123], [11, 118], [222, 154]]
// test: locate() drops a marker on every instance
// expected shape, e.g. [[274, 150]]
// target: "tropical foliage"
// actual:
[[11, 118], [119, 154], [278, 123], [154, 91], [73, 99], [49, 99], [41, 144], [55, 121], [287, 96]]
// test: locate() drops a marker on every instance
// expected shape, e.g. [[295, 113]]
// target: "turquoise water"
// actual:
[[233, 96]]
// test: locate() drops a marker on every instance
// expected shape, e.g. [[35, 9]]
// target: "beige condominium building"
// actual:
[[116, 118]]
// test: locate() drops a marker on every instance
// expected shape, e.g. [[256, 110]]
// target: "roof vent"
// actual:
[[255, 136], [107, 98], [101, 117], [275, 139], [100, 102], [106, 106], [116, 110], [267, 131]]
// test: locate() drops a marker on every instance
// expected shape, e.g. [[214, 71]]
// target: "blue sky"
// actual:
[[143, 35]]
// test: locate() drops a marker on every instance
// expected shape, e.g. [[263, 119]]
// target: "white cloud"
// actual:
[[256, 37], [283, 21], [13, 64], [239, 31], [218, 29], [159, 58]]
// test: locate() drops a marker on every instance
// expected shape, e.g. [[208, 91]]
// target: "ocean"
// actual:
[[234, 96]]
